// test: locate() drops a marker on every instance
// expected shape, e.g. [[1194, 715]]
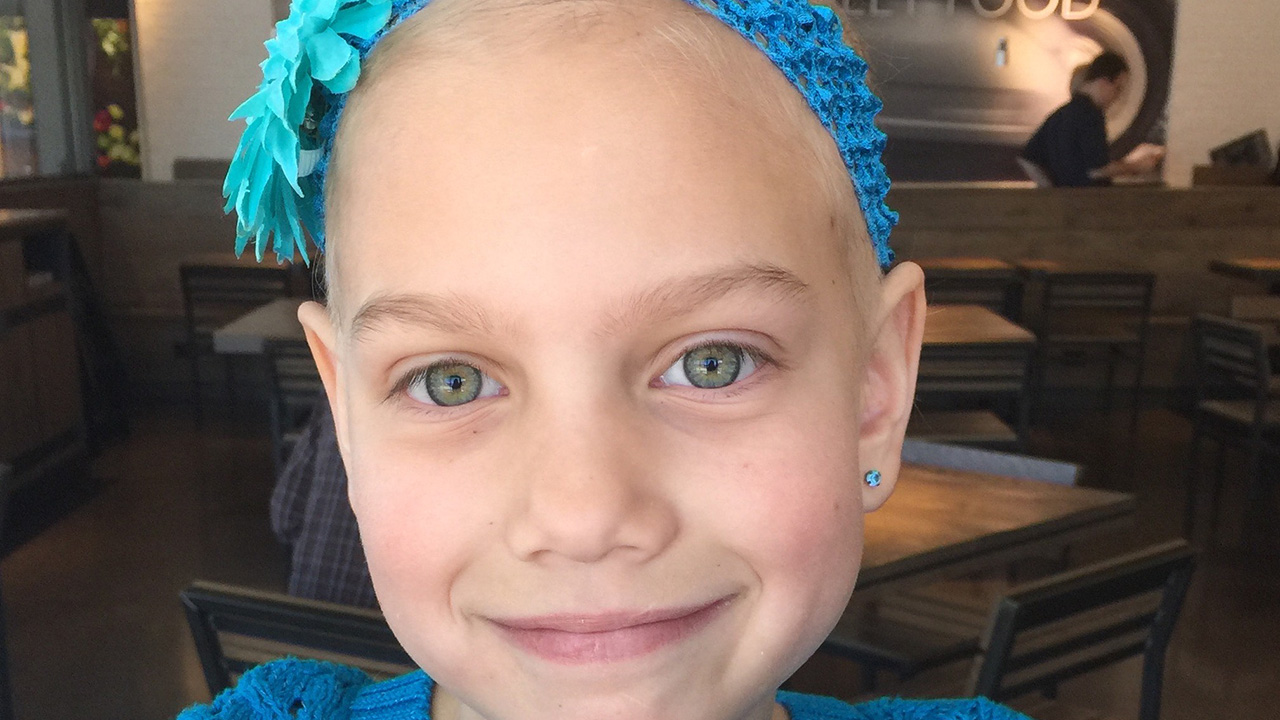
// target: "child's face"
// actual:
[[648, 502]]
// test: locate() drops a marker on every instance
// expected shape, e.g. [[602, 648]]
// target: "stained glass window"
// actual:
[[17, 116], [115, 106]]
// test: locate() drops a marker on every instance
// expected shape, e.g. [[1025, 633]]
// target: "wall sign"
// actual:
[[992, 9], [966, 82]]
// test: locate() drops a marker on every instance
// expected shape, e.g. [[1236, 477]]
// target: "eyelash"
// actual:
[[763, 360], [399, 391]]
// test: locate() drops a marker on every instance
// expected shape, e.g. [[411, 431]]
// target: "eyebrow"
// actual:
[[681, 297], [452, 314], [444, 313]]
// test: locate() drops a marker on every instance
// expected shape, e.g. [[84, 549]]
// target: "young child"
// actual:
[[614, 370]]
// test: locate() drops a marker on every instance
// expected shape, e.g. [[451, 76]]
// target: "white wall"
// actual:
[[1226, 78], [197, 60]]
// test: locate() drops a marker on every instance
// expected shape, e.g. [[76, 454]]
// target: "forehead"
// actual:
[[589, 152]]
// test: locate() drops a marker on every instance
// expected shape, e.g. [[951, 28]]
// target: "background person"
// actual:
[[1071, 148], [311, 516]]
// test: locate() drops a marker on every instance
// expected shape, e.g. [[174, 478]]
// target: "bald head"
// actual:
[[666, 47]]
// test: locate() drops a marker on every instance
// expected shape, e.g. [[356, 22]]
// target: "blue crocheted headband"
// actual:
[[276, 179]]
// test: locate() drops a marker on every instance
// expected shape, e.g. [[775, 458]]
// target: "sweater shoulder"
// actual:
[[813, 707], [289, 689]]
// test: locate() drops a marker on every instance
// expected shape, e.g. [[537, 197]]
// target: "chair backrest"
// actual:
[[1231, 359], [997, 290], [213, 295], [237, 628], [1123, 295], [957, 457], [958, 372], [1061, 627], [295, 390], [1259, 308]]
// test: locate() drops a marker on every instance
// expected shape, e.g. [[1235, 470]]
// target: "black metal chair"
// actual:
[[1000, 291], [1041, 634], [971, 459], [214, 295], [1084, 311], [295, 390], [236, 628], [1046, 632], [909, 632], [1234, 403], [973, 394]]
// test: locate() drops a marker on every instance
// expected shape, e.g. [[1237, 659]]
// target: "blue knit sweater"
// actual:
[[306, 690]]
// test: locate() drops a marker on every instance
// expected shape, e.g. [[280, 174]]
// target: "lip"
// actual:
[[582, 639]]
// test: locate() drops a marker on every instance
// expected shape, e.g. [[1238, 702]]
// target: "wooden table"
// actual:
[[1263, 270], [1042, 268], [22, 223], [229, 259], [964, 264], [299, 273], [944, 523], [974, 378], [250, 333], [944, 325], [953, 325]]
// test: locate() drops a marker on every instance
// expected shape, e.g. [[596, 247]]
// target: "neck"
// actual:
[[1094, 93]]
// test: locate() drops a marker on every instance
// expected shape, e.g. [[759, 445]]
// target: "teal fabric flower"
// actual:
[[275, 184], [312, 46]]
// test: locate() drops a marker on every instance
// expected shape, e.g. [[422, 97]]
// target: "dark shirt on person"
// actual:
[[1071, 142], [310, 514]]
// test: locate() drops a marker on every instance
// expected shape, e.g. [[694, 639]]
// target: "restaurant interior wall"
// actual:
[[1224, 79], [965, 83], [197, 61]]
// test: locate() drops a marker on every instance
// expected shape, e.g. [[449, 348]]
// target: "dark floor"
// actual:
[[94, 568]]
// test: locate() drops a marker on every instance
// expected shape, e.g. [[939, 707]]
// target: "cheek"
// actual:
[[807, 511], [420, 520], [789, 498]]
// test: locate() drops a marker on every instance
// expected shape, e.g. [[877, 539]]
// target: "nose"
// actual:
[[590, 492]]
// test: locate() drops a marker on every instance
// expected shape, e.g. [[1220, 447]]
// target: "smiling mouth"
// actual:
[[581, 639]]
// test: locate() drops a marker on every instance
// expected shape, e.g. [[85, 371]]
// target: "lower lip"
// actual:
[[584, 648]]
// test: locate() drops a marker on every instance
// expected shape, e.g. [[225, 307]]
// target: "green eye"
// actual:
[[451, 383], [713, 366]]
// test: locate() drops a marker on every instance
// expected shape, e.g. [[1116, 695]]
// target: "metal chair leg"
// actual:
[[1139, 370], [1113, 352], [196, 399], [1215, 496], [1035, 403], [229, 364], [869, 679], [1189, 519]]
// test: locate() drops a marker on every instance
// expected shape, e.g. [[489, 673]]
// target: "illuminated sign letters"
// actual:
[[992, 9]]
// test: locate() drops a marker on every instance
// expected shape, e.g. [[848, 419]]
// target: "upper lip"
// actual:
[[600, 622]]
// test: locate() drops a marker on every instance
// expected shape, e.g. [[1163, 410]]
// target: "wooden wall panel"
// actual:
[[147, 228], [1175, 233], [77, 195]]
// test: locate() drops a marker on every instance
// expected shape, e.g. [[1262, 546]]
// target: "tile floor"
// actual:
[[93, 569]]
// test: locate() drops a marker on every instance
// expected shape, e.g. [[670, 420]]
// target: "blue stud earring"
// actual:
[[872, 478]]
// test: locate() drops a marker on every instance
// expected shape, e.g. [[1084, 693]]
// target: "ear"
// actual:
[[322, 336], [889, 386]]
